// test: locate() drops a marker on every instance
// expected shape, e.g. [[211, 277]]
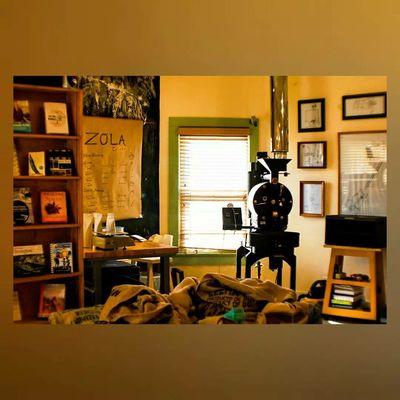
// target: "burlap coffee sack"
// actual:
[[217, 294], [315, 310], [137, 304], [181, 299], [285, 313], [79, 316], [215, 320]]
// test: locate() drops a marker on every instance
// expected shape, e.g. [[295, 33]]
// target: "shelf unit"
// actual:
[[45, 178], [375, 284], [44, 136], [28, 288], [34, 227]]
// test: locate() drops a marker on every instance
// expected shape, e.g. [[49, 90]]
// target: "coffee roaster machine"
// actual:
[[269, 204], [269, 201]]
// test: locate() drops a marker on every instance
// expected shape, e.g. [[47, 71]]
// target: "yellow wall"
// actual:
[[244, 96], [312, 257], [208, 96]]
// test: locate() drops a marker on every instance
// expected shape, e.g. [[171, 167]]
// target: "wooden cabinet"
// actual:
[[28, 288], [375, 285]]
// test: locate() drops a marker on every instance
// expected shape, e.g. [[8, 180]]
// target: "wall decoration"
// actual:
[[311, 154], [148, 89], [312, 198], [362, 173], [311, 115], [116, 96], [112, 156], [369, 105]]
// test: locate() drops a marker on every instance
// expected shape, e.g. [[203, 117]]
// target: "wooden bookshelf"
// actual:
[[28, 288], [46, 277], [350, 282], [36, 321], [34, 227], [45, 178]]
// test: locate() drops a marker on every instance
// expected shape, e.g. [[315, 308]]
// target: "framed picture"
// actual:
[[312, 198], [311, 115], [369, 105], [362, 173], [311, 154]]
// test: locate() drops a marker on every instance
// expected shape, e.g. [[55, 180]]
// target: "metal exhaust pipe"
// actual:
[[279, 116]]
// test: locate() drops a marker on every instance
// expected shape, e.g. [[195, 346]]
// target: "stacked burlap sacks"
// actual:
[[206, 302], [193, 301]]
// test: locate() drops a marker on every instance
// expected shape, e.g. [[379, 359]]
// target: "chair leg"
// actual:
[[171, 281], [150, 275]]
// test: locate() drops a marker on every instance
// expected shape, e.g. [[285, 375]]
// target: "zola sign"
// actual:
[[107, 138]]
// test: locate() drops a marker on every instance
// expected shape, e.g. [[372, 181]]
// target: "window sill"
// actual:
[[204, 257], [203, 252]]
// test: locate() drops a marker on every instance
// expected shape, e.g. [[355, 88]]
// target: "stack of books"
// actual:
[[347, 296]]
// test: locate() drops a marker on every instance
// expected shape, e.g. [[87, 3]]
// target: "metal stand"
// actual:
[[277, 246]]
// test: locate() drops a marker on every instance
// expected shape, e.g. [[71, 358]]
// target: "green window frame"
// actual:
[[217, 257]]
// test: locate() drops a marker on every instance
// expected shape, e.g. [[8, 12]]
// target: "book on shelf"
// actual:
[[56, 118], [21, 117], [53, 207], [347, 289], [346, 306], [16, 307], [60, 162], [344, 302], [16, 169], [22, 206], [347, 298], [61, 260], [52, 299], [29, 261], [37, 166]]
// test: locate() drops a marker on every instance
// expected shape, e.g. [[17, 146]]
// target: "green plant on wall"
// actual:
[[116, 96]]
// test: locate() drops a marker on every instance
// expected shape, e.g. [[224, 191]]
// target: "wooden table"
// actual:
[[140, 249]]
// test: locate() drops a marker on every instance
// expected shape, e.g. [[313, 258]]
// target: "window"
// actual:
[[213, 167]]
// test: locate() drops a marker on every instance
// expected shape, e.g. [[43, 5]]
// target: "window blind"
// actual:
[[212, 173], [363, 173]]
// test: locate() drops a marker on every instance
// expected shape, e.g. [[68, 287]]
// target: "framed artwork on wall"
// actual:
[[312, 198], [311, 115], [311, 154], [362, 173], [369, 105]]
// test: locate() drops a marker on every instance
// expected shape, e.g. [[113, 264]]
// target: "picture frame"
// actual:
[[311, 115], [312, 199], [312, 154], [367, 105], [362, 173]]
